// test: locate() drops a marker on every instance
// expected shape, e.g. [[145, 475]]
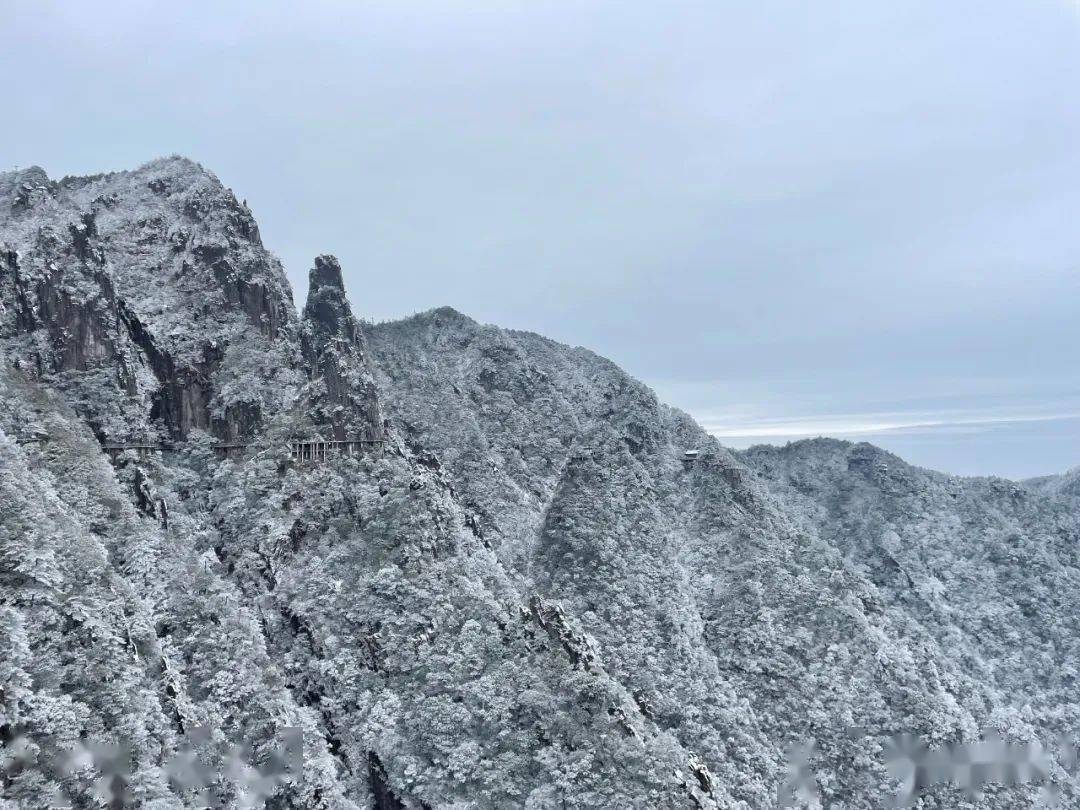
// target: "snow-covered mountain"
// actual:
[[535, 586], [1067, 484]]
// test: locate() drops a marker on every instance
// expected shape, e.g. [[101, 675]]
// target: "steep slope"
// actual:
[[985, 565], [738, 623], [348, 598], [1066, 485], [122, 631]]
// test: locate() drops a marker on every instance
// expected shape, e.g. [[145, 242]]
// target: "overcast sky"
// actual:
[[856, 219]]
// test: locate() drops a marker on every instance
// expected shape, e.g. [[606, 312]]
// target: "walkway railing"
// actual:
[[299, 450], [318, 450]]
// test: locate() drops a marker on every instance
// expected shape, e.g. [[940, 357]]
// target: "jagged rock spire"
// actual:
[[343, 391], [326, 273], [327, 310]]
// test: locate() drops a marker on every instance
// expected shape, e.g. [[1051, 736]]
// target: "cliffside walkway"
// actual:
[[300, 451]]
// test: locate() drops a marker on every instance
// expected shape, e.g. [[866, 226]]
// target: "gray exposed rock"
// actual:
[[342, 394]]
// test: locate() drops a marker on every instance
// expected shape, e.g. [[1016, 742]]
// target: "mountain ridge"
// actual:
[[529, 596]]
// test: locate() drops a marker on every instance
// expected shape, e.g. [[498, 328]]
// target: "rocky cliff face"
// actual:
[[148, 297], [526, 596]]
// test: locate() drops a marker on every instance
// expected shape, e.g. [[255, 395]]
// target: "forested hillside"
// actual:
[[740, 580], [533, 585], [1065, 485]]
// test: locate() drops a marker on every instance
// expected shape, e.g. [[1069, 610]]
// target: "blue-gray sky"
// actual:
[[854, 219]]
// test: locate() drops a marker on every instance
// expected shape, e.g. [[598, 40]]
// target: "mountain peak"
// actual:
[[327, 309], [175, 166], [325, 273], [27, 174], [445, 315], [333, 346]]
